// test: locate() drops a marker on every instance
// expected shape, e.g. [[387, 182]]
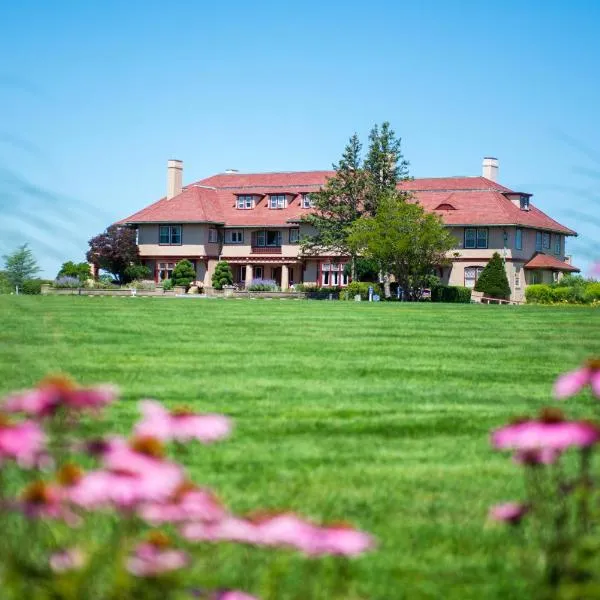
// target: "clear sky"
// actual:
[[95, 96]]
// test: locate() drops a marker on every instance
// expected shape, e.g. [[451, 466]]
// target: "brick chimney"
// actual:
[[490, 168], [174, 178]]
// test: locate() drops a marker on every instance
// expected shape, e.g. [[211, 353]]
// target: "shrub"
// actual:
[[5, 285], [493, 281], [263, 285], [184, 273], [145, 284], [70, 269], [32, 286], [367, 269], [451, 293], [222, 275], [564, 294], [592, 292], [67, 282], [137, 272], [323, 293], [167, 285], [539, 293], [360, 287]]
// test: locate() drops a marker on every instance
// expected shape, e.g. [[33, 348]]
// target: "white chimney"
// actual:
[[490, 168], [174, 178]]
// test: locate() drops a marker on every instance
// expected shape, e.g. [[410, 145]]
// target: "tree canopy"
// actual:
[[114, 251], [493, 281], [405, 241], [70, 269], [20, 265]]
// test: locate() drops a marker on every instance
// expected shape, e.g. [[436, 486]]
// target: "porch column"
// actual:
[[285, 278], [248, 275]]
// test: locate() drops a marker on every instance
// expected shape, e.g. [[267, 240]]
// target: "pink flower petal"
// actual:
[[509, 512], [595, 383], [571, 383]]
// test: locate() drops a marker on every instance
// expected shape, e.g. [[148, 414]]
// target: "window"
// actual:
[[241, 273], [536, 277], [557, 244], [267, 238], [306, 201], [213, 236], [472, 275], [517, 277], [332, 274], [258, 272], [538, 241], [245, 202], [546, 241], [165, 270], [524, 202], [555, 276], [169, 235], [277, 201], [476, 238], [519, 239], [294, 235], [234, 236]]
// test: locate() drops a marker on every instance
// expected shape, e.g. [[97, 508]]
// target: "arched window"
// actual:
[[472, 275]]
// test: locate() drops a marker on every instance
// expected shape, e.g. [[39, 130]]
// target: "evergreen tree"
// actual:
[[493, 281], [183, 273], [222, 275], [20, 266]]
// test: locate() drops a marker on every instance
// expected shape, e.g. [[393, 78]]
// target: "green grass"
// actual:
[[374, 413]]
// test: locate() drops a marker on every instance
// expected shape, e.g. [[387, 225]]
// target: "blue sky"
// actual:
[[97, 95]]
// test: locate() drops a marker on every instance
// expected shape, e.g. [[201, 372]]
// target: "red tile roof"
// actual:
[[545, 261], [476, 200]]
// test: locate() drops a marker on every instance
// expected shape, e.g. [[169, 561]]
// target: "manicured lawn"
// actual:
[[373, 413]]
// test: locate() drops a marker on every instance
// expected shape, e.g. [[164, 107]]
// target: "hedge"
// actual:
[[542, 293], [451, 293], [360, 287]]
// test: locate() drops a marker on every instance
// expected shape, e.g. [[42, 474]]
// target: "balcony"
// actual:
[[266, 250]]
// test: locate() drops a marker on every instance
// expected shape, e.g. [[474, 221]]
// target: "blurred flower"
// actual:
[[287, 529], [181, 426], [41, 500], [342, 540], [509, 512], [187, 503], [573, 382], [229, 529], [542, 456], [234, 595], [56, 391], [69, 559], [550, 431], [156, 557], [23, 442]]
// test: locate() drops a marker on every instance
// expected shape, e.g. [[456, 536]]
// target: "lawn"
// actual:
[[373, 413]]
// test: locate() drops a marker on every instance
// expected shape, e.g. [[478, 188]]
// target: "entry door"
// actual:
[[276, 275]]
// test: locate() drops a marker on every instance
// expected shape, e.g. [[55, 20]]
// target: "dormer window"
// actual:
[[245, 202], [306, 201], [524, 202], [277, 201]]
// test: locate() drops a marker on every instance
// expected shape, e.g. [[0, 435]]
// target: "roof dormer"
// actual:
[[519, 199], [445, 206], [280, 200], [247, 201]]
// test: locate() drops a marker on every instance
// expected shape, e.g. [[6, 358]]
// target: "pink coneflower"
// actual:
[[341, 540], [573, 382], [56, 391], [551, 432], [23, 442], [180, 425], [542, 456], [234, 595], [42, 500], [228, 529], [509, 512], [156, 557], [187, 503], [69, 559], [286, 529]]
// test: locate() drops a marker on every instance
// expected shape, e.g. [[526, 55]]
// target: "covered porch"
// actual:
[[544, 268], [284, 272]]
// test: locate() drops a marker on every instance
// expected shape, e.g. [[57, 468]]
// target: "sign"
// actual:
[[375, 297]]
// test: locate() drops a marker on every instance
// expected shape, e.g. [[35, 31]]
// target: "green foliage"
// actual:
[[114, 251], [137, 272], [324, 293], [70, 269], [222, 275], [167, 284], [539, 293], [184, 273], [451, 293], [360, 287], [20, 266], [366, 269], [493, 281], [592, 292], [405, 240], [32, 287], [5, 286]]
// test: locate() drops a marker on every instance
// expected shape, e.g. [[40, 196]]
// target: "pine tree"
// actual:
[[493, 281], [20, 266], [222, 275]]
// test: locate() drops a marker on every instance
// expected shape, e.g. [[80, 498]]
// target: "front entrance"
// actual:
[[276, 275]]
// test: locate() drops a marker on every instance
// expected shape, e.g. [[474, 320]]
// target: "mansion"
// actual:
[[254, 222]]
